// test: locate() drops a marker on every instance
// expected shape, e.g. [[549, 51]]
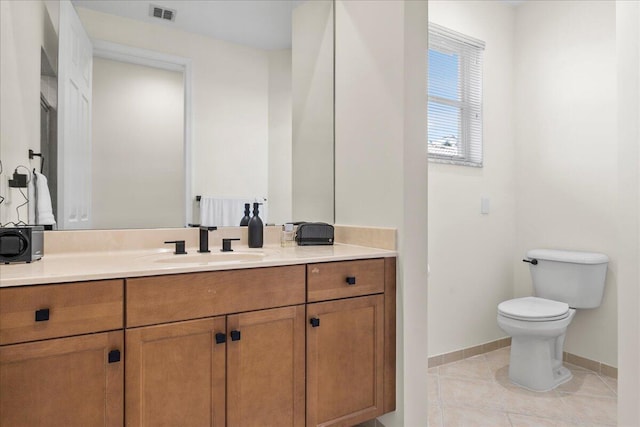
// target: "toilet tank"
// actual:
[[576, 278]]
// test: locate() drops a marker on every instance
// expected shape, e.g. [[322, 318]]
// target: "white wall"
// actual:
[[628, 62], [381, 164], [567, 155], [312, 64], [280, 136], [137, 146], [230, 105], [470, 254], [23, 32]]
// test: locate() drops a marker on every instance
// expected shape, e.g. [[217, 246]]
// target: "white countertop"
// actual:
[[74, 267]]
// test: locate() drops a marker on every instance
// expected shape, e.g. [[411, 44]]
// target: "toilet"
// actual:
[[563, 282]]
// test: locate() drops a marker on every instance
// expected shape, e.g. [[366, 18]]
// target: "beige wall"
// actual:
[[230, 105], [567, 155], [470, 254], [628, 273], [280, 136], [137, 146], [23, 33], [381, 165], [551, 178], [312, 63]]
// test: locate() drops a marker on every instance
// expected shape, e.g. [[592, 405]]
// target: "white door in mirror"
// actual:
[[74, 121]]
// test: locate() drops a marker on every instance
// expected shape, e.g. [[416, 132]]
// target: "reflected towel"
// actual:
[[43, 209], [219, 212]]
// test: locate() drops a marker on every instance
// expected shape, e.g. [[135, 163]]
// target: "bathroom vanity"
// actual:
[[300, 337]]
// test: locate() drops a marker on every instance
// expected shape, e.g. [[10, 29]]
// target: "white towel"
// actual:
[[43, 210], [219, 212]]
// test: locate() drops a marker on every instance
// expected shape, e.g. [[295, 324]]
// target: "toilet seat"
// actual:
[[533, 309]]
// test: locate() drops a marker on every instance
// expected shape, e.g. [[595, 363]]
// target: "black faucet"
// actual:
[[226, 245], [204, 238], [179, 247]]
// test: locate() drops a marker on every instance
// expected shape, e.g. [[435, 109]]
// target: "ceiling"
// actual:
[[263, 24]]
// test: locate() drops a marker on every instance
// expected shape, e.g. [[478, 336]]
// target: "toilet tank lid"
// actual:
[[575, 257]]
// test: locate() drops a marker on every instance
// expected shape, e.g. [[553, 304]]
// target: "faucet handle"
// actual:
[[179, 247], [226, 245]]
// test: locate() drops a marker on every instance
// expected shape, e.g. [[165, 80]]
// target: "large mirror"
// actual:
[[196, 107]]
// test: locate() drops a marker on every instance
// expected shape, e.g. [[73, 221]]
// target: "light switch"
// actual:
[[484, 205]]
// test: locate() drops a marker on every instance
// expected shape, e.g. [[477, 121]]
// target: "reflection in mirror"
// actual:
[[138, 125], [244, 134], [49, 115], [250, 116], [28, 104]]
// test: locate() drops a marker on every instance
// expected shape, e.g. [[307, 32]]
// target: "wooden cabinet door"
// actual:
[[175, 374], [63, 382], [265, 368], [345, 361]]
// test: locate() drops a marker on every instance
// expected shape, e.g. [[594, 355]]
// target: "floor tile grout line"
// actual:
[[595, 396], [440, 400], [509, 418], [615, 391], [575, 418]]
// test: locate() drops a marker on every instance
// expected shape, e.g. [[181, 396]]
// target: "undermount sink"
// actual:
[[211, 257]]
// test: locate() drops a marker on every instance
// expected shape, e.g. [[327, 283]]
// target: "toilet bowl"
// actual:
[[537, 328], [563, 281]]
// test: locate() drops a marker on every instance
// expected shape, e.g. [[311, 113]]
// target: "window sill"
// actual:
[[455, 162]]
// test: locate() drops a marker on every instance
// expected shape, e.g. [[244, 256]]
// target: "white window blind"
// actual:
[[454, 97]]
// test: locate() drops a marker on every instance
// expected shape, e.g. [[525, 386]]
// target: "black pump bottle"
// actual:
[[245, 219], [255, 229]]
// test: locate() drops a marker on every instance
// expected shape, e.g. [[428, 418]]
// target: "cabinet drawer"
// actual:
[[333, 280], [160, 299], [39, 312]]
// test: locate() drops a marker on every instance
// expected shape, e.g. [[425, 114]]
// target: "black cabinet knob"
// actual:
[[114, 356], [235, 335], [42, 315], [220, 338], [315, 322], [351, 280]]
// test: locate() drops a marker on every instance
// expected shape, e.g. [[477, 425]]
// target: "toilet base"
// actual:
[[561, 376], [533, 364]]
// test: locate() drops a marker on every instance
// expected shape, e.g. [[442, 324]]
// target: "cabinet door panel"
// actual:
[[62, 382], [175, 375], [345, 361], [265, 370]]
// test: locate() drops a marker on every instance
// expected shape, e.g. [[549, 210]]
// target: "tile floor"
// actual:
[[477, 392]]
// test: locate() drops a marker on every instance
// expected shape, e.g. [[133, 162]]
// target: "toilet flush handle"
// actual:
[[531, 261]]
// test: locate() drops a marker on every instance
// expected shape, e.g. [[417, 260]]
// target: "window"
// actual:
[[454, 97]]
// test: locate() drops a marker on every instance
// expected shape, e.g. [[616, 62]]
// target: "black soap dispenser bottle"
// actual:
[[255, 229], [245, 219]]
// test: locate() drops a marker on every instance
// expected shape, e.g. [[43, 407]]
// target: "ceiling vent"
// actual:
[[162, 13]]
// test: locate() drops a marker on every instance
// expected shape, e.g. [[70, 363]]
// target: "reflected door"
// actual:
[[74, 128]]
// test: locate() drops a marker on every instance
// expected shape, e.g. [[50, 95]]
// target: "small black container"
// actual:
[[246, 218], [255, 229]]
